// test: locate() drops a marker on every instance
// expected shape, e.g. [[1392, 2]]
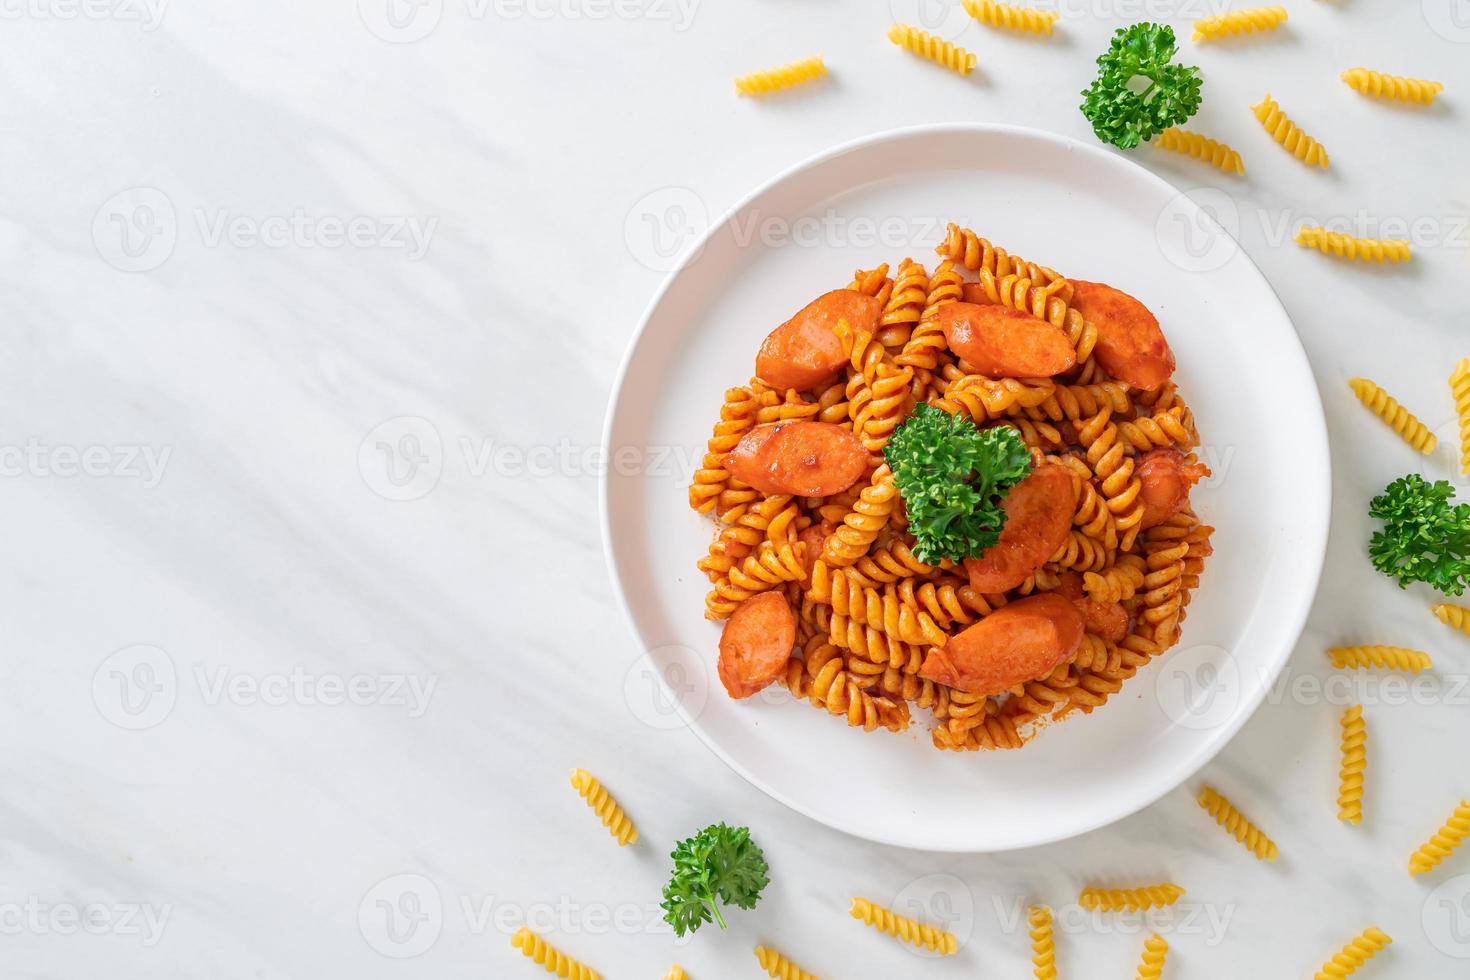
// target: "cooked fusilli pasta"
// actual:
[[606, 808], [538, 950], [1460, 391], [1360, 950], [1236, 825], [936, 49], [1239, 22], [1444, 842], [994, 13], [1043, 944], [1217, 155], [903, 928], [1151, 967], [785, 76], [779, 967], [1289, 134], [1384, 657], [1392, 86], [1400, 419], [1351, 247], [1354, 761], [1130, 899]]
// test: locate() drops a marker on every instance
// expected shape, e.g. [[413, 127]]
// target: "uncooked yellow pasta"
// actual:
[[1239, 22], [1151, 967], [785, 76], [535, 948], [1460, 391], [606, 808], [1400, 419], [1360, 950], [903, 928], [1043, 945], [1453, 615], [1289, 134], [1384, 657], [1203, 148], [779, 967], [1444, 842], [936, 49], [1396, 87], [994, 13], [1353, 247], [1130, 899], [676, 972], [1236, 825], [1354, 761]]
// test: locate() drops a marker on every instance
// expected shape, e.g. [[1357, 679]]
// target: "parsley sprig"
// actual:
[[1139, 92], [1425, 537], [718, 865]]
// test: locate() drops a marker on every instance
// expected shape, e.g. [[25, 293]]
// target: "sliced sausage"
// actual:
[[1000, 342], [756, 644], [815, 539], [972, 292], [1038, 516], [1108, 620], [804, 352], [1016, 643], [804, 459], [1130, 345], [1166, 477]]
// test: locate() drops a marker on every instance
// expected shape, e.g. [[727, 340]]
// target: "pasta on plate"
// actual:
[[965, 491]]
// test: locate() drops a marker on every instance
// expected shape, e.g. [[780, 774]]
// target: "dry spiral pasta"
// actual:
[[784, 76], [1398, 418], [1354, 761], [1130, 899], [1352, 247], [903, 928], [1385, 657], [1236, 825], [1234, 22], [778, 967], [676, 972], [1443, 843], [538, 950], [936, 49], [1043, 943], [1358, 951], [1460, 391], [1217, 155], [1012, 17], [606, 808], [1397, 87], [1289, 134], [1457, 617], [1151, 967]]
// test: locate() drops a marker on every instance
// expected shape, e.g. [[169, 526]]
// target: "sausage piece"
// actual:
[[1038, 516], [1000, 342], [815, 539], [1108, 620], [1166, 478], [1130, 345], [804, 352], [756, 644], [804, 459], [1016, 643]]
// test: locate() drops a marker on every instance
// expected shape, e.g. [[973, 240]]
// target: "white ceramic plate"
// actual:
[[1091, 214]]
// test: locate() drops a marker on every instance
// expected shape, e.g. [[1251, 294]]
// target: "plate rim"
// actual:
[[1296, 619]]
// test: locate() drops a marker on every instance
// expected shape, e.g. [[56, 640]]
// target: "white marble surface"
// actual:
[[205, 553]]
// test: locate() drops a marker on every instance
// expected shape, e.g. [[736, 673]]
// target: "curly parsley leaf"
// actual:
[[1425, 538], [1139, 92], [719, 865], [952, 478]]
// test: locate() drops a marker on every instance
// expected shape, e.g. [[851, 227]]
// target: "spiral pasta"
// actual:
[[1384, 657], [779, 967], [1236, 825], [784, 76], [1400, 419], [903, 928], [676, 972], [1358, 951], [1043, 944], [1114, 469], [1130, 899], [1234, 22], [904, 307], [1354, 761], [1151, 966], [737, 417], [1457, 617], [1397, 87], [1191, 144], [1460, 391], [994, 13], [869, 515], [538, 950], [1443, 843], [606, 808], [1289, 134], [936, 49], [1352, 247]]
